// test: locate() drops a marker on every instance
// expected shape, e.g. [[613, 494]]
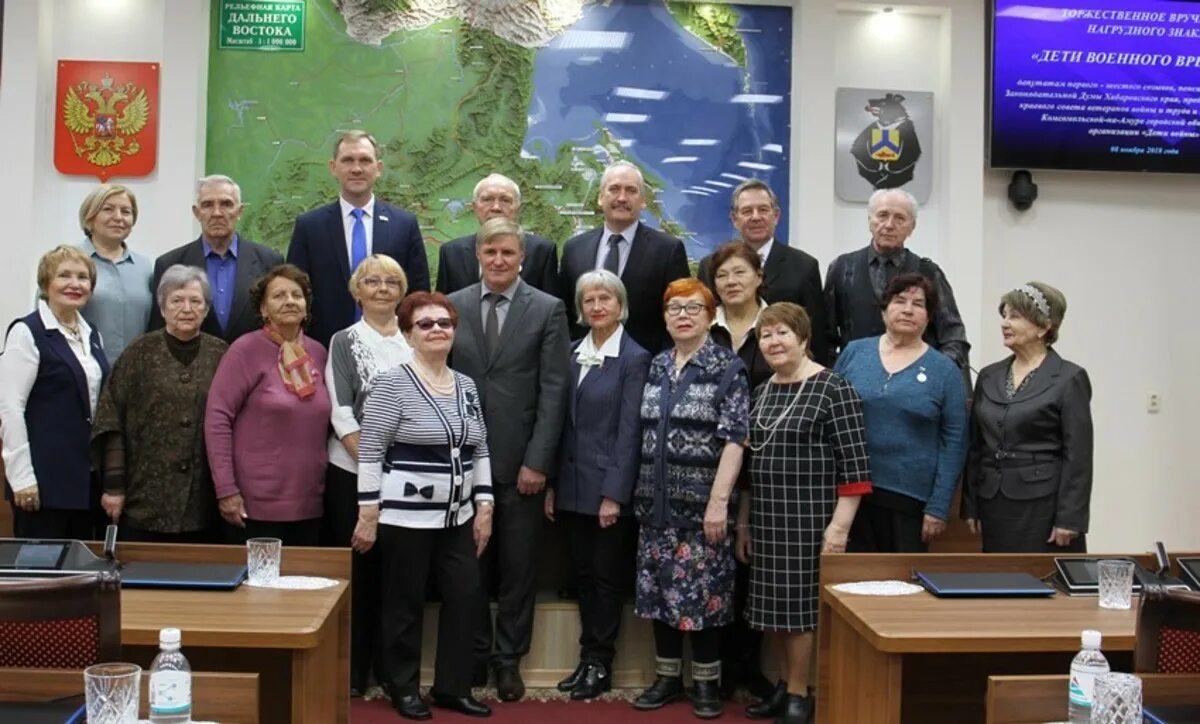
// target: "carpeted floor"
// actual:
[[612, 708]]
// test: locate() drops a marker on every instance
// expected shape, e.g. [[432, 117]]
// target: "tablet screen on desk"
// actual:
[[1084, 573], [38, 556], [1190, 570]]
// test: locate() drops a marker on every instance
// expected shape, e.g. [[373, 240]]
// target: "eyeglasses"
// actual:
[[427, 324], [375, 282], [692, 309]]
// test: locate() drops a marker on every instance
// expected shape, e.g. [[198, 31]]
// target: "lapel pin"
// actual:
[[921, 376], [382, 219]]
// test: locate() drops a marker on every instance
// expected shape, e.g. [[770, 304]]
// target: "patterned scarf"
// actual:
[[295, 366]]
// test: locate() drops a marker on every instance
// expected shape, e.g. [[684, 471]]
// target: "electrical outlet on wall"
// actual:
[[1153, 403]]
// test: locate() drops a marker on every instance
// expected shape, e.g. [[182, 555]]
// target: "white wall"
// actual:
[[1119, 246]]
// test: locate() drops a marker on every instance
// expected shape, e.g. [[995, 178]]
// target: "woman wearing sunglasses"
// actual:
[[425, 488], [357, 355]]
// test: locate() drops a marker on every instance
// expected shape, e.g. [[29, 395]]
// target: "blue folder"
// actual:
[[211, 576], [983, 585], [1179, 714]]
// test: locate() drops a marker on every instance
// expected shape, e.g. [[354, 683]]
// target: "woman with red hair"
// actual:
[[695, 412]]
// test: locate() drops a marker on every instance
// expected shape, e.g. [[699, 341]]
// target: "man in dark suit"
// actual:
[[645, 259], [789, 274], [856, 281], [231, 262], [329, 242], [513, 343], [496, 196]]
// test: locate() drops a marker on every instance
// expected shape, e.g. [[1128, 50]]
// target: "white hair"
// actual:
[[619, 166], [178, 276], [497, 179], [217, 178], [602, 279], [878, 197]]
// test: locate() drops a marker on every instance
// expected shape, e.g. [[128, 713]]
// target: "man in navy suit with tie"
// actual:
[[645, 259], [328, 243]]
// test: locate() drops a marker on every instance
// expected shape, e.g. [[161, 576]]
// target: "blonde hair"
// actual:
[[386, 264], [94, 201], [499, 226], [50, 262]]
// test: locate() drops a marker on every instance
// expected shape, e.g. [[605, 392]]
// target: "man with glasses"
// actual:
[[496, 196], [645, 259], [231, 262], [512, 341]]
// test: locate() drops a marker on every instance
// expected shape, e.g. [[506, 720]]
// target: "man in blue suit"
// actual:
[[329, 242]]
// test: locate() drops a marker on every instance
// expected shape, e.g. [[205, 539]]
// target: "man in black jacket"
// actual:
[[231, 262]]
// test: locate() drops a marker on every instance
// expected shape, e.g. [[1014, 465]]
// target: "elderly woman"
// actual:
[[600, 455], [357, 355], [738, 281], [120, 307], [51, 373], [149, 429], [808, 468], [268, 417], [425, 488], [916, 413], [1029, 480], [694, 418]]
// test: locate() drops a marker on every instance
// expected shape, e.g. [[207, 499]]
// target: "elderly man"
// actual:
[[790, 275], [513, 343], [645, 259], [329, 242], [856, 281], [496, 196], [231, 262]]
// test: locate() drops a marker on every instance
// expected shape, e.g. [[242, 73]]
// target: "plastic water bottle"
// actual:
[[170, 681], [1086, 665]]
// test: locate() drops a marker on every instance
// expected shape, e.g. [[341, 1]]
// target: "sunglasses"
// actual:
[[427, 324]]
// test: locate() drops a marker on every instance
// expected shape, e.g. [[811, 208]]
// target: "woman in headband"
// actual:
[[1029, 472]]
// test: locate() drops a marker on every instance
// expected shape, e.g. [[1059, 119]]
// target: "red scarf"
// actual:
[[295, 366]]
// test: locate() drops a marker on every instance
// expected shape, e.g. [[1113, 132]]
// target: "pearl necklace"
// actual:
[[772, 427], [444, 387]]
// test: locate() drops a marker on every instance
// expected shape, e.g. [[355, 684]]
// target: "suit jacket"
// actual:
[[602, 437], [319, 248], [1037, 444], [655, 260], [458, 267], [791, 275], [853, 306], [523, 385], [253, 261]]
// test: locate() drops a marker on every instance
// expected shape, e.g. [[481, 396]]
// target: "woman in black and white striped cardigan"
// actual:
[[424, 474]]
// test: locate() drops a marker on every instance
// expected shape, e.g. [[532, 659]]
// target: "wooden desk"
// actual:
[[297, 641], [922, 659], [1038, 699]]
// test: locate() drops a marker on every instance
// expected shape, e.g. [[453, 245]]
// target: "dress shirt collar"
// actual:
[[627, 233], [49, 321], [508, 294], [719, 319], [368, 207], [764, 251], [208, 250], [372, 336], [876, 258], [610, 348], [90, 247]]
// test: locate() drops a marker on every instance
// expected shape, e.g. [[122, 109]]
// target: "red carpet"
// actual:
[[379, 711]]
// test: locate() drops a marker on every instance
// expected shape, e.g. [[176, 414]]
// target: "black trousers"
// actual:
[[54, 523], [888, 522], [341, 515], [291, 532], [510, 562], [601, 558], [409, 556], [668, 643]]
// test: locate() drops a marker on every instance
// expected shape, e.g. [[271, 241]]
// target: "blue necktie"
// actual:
[[358, 248]]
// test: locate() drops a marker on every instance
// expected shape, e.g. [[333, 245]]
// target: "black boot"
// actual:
[[706, 690], [797, 710], [596, 679], [663, 691], [770, 707], [569, 683]]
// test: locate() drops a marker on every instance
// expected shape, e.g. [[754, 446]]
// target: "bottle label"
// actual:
[[170, 692], [1082, 688]]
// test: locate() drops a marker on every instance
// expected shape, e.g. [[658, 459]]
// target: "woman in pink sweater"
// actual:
[[268, 418]]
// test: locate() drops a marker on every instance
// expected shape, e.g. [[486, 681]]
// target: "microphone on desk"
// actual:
[[110, 545]]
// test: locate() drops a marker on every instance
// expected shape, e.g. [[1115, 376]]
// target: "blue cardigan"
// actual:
[[916, 422]]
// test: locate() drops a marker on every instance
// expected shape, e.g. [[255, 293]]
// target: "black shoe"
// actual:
[[569, 683], [596, 680], [797, 710], [771, 706], [509, 686], [663, 691], [355, 693], [706, 700], [468, 705], [410, 706]]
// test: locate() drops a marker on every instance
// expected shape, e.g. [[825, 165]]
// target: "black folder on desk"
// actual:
[[211, 576], [1178, 714], [49, 712], [983, 585]]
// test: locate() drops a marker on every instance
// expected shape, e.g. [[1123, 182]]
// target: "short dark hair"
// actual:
[[1023, 303], [789, 314], [416, 300], [752, 184], [911, 280], [741, 250], [258, 290]]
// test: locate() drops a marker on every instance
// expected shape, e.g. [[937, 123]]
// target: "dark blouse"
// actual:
[[750, 354]]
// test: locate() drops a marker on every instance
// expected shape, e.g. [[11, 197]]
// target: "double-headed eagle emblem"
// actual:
[[106, 116]]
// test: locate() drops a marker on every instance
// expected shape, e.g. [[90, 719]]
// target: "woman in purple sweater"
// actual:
[[268, 417]]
